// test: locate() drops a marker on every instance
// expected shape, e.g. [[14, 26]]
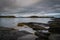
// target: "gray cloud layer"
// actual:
[[49, 6]]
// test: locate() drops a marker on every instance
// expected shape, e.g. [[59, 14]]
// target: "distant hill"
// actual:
[[7, 17], [27, 17], [38, 17]]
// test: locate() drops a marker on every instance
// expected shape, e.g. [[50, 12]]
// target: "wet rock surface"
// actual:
[[54, 29], [10, 34], [54, 37]]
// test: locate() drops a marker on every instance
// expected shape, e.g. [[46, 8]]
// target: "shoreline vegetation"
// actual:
[[26, 17]]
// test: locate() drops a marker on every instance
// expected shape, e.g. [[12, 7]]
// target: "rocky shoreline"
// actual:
[[13, 34]]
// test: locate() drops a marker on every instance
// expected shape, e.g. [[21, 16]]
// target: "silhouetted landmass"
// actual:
[[7, 17], [39, 17], [27, 17], [34, 17]]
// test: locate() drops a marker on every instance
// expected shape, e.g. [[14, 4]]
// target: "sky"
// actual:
[[30, 6]]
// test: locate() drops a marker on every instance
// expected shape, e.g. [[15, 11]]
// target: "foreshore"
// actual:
[[13, 34]]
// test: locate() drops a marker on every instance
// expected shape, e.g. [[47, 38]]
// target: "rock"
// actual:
[[54, 26], [28, 37], [14, 34], [54, 37]]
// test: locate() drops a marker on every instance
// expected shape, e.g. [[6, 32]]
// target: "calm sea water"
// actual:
[[12, 22]]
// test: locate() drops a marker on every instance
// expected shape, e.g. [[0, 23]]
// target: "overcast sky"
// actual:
[[29, 6]]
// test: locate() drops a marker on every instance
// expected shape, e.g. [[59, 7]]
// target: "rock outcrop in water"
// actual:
[[34, 25]]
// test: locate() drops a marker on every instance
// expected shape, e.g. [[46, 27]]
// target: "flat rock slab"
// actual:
[[28, 37], [54, 37]]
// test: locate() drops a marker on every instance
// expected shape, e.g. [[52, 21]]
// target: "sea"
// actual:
[[12, 22]]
